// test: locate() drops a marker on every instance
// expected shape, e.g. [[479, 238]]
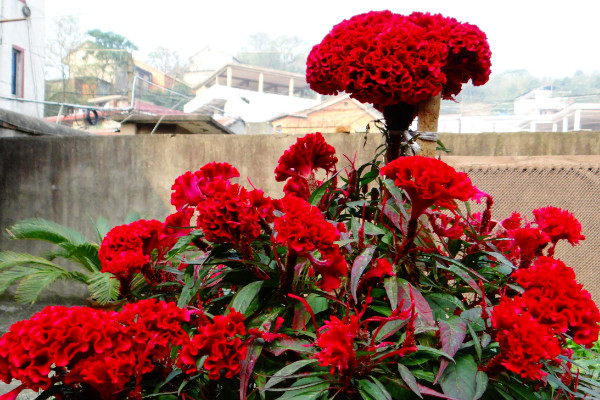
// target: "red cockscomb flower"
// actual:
[[231, 215], [304, 230], [192, 187], [554, 298], [308, 154], [429, 181], [524, 342], [558, 224], [384, 58], [127, 249], [218, 341], [336, 341]]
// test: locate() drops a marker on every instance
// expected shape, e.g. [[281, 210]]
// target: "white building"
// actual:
[[22, 35], [249, 94]]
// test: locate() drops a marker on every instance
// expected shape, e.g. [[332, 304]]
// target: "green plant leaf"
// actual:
[[103, 287], [409, 379], [452, 335], [254, 350], [371, 391], [424, 319], [358, 267], [102, 227], [286, 371], [481, 384], [41, 229], [305, 389], [132, 217], [31, 286], [435, 352], [458, 380], [242, 299], [85, 254]]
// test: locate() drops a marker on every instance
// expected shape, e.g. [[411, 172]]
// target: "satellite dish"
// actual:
[[26, 11]]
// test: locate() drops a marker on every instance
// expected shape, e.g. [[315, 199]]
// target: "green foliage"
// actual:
[[31, 274]]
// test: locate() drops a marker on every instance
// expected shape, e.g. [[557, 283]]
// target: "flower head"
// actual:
[[308, 154], [384, 58], [192, 187], [558, 224], [429, 181], [304, 230], [218, 341], [336, 341]]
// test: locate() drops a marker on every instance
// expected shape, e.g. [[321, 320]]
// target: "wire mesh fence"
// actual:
[[572, 187]]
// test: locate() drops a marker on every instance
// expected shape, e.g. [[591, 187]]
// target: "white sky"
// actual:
[[549, 38]]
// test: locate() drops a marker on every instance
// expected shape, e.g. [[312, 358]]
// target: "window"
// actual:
[[16, 81]]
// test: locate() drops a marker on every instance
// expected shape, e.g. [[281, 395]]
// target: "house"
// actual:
[[338, 114], [251, 94], [22, 30]]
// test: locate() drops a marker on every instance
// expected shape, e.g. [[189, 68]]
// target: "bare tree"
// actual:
[[65, 38]]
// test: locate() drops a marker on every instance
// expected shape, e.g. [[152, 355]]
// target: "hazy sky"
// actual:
[[549, 38]]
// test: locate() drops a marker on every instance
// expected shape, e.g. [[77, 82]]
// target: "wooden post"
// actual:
[[429, 113]]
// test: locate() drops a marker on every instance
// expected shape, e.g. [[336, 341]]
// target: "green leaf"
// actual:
[[481, 384], [317, 195], [286, 371], [435, 352], [358, 267], [41, 229], [254, 350], [391, 289], [32, 285], [102, 227], [409, 379], [305, 389], [398, 196], [10, 259], [373, 230], [103, 287], [452, 335], [424, 319], [458, 380], [242, 299], [371, 391], [443, 304], [85, 254]]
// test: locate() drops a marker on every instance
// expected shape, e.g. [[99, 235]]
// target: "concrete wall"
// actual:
[[72, 179], [522, 143]]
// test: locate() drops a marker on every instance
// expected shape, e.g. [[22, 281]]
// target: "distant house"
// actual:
[[22, 55], [539, 110], [338, 114], [251, 94]]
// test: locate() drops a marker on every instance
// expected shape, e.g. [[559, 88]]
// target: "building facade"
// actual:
[[22, 35]]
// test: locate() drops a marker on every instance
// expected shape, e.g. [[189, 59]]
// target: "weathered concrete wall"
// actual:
[[522, 143], [72, 179], [68, 180]]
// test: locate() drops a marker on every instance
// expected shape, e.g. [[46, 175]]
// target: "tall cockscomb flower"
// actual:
[[429, 181], [304, 231]]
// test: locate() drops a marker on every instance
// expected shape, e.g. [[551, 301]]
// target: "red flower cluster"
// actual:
[[550, 225], [304, 231], [384, 58], [299, 163], [126, 249], [429, 181], [554, 298], [154, 327], [218, 341], [231, 214], [192, 187], [524, 342], [558, 224], [76, 345], [308, 154], [336, 341]]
